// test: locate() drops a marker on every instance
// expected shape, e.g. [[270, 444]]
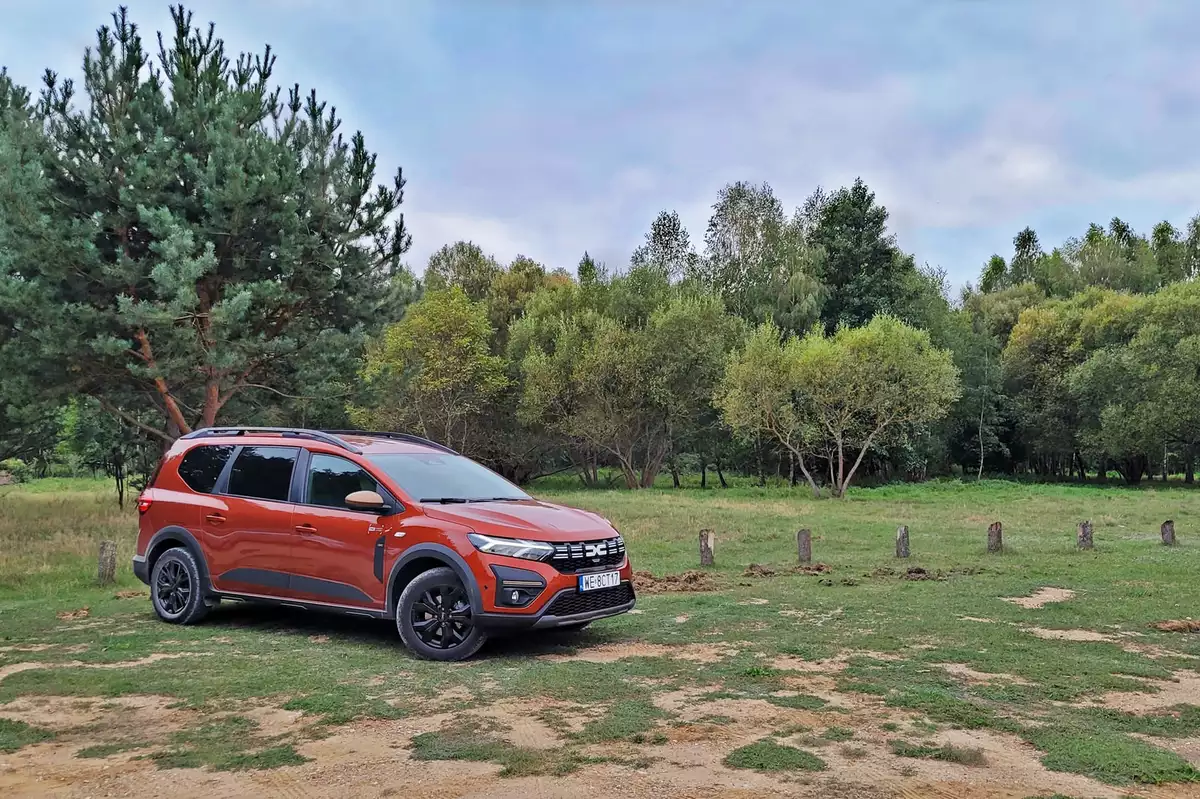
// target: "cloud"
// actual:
[[550, 130]]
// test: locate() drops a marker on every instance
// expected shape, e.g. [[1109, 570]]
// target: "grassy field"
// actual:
[[858, 680]]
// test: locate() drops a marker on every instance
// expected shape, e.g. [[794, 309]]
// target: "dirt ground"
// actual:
[[372, 758]]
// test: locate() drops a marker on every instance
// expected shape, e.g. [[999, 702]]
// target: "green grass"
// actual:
[[837, 734], [1109, 757], [901, 630], [17, 734], [475, 740], [109, 749], [769, 755], [227, 744], [627, 720]]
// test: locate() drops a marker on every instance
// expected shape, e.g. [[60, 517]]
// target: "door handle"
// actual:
[[214, 518], [306, 529]]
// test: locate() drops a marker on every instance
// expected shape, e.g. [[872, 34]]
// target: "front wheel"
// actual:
[[434, 617]]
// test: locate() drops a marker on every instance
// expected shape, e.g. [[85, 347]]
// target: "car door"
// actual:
[[339, 550], [248, 523]]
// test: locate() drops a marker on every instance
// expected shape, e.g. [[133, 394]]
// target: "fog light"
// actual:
[[516, 597]]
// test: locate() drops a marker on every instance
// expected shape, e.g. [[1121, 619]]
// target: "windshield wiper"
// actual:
[[444, 500]]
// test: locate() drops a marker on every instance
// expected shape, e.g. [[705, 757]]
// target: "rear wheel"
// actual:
[[434, 617], [175, 588]]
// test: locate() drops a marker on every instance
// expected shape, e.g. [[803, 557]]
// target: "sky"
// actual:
[[549, 128]]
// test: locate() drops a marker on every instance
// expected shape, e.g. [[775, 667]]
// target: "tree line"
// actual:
[[183, 244]]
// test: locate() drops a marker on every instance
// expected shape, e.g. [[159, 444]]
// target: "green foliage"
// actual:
[[180, 237], [17, 469], [863, 270], [464, 265], [433, 371], [841, 393]]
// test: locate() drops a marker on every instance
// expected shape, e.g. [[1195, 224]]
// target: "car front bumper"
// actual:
[[548, 617]]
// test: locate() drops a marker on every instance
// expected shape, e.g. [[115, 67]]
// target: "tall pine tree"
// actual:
[[181, 237]]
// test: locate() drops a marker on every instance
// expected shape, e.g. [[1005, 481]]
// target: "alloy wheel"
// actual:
[[441, 616], [173, 588]]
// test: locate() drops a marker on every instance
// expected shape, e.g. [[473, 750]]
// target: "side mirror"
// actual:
[[365, 500]]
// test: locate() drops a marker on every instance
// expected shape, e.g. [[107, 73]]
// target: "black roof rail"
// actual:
[[286, 432], [409, 437]]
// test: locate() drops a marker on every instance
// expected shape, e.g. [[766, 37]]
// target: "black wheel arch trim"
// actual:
[[184, 538], [441, 553]]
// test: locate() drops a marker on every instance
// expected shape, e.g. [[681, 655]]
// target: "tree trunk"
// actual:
[[107, 563], [708, 542], [1168, 533], [721, 475], [995, 538], [979, 474], [674, 467], [1189, 474], [804, 545], [902, 550], [704, 474], [1084, 535]]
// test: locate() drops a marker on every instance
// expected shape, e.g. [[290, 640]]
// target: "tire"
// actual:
[[176, 590], [426, 629]]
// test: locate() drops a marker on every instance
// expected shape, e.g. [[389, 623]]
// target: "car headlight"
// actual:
[[512, 547]]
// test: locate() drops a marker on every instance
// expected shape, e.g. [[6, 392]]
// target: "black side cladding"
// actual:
[[379, 547]]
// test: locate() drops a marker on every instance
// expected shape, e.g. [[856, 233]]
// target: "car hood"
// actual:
[[540, 521]]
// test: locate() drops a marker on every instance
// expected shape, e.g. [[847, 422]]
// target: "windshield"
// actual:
[[434, 477]]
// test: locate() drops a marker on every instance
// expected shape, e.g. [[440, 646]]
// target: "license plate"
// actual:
[[594, 582]]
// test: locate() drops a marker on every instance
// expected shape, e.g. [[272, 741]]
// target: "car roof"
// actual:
[[337, 442]]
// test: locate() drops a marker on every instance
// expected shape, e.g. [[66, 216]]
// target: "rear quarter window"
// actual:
[[201, 466], [263, 473]]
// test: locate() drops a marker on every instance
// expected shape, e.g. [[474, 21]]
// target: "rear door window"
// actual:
[[201, 466], [331, 479], [263, 473]]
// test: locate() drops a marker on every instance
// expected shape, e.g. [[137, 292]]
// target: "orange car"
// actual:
[[385, 525]]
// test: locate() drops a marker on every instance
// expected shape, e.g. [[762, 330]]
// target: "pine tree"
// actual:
[[181, 237]]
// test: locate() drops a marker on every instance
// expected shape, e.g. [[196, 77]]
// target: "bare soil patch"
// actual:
[[523, 724], [372, 759], [691, 580], [1041, 597], [1069, 635], [72, 615], [611, 653], [1177, 626], [759, 570], [980, 677], [1184, 689], [15, 668]]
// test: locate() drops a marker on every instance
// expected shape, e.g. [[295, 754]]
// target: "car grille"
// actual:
[[571, 603], [583, 555]]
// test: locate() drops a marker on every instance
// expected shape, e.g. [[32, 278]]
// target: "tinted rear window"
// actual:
[[263, 473], [201, 466]]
